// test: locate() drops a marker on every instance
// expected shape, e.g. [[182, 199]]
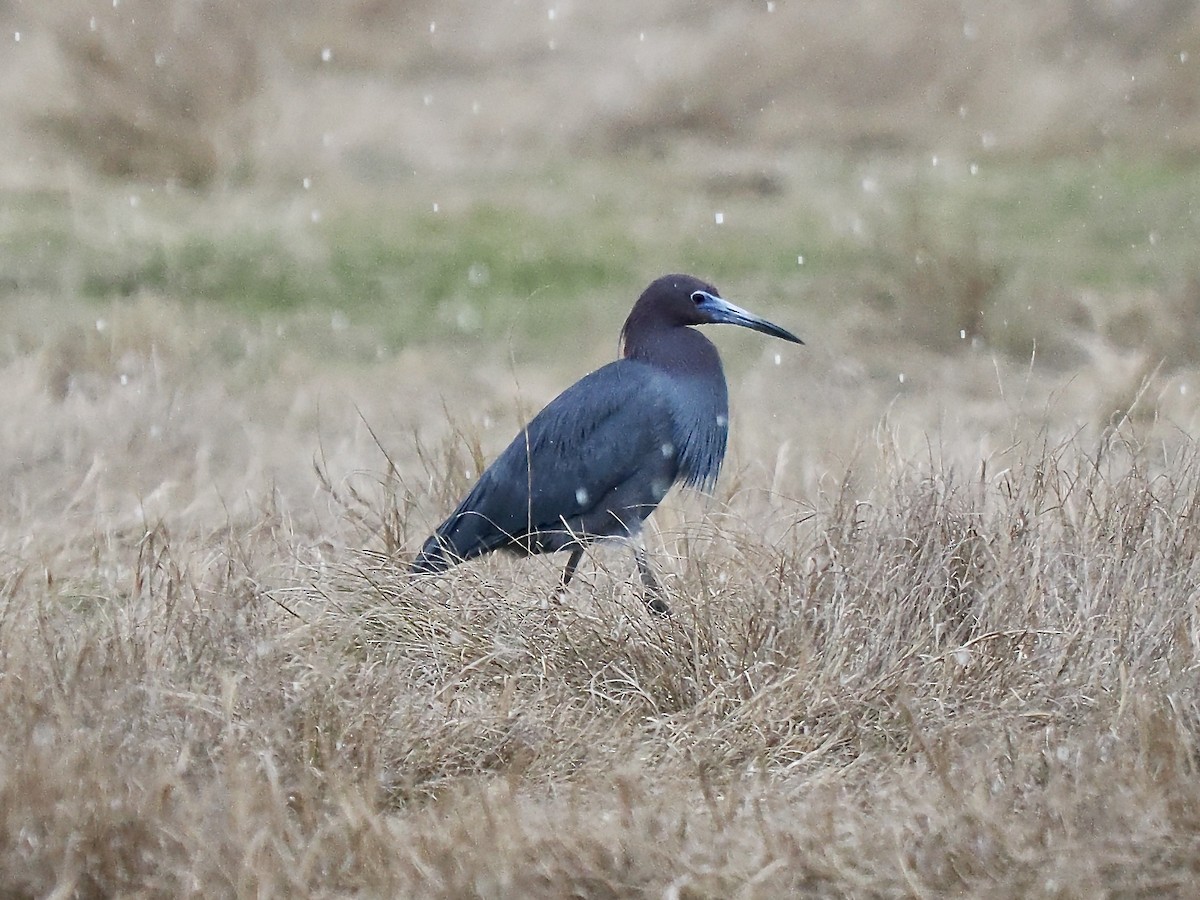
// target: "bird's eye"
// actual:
[[699, 297]]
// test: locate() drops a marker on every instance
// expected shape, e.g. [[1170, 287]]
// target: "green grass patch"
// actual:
[[486, 269], [530, 253]]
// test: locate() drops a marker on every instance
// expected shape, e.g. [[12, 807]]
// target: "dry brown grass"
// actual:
[[893, 671], [203, 92], [160, 89]]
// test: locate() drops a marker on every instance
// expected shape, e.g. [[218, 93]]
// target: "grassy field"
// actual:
[[936, 630]]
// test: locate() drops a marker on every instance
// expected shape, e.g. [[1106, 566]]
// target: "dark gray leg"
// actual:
[[569, 571], [654, 593]]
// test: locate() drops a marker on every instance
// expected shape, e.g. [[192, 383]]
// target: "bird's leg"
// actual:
[[569, 571], [654, 592]]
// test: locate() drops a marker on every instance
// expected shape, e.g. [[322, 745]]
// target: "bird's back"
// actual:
[[594, 463]]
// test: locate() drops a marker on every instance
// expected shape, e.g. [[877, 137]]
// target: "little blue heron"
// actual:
[[598, 459]]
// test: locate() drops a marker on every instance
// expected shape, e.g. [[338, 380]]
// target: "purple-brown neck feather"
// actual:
[[657, 332]]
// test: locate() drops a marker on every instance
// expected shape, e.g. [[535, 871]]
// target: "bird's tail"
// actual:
[[435, 556]]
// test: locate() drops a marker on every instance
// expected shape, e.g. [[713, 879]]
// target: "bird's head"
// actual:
[[681, 300]]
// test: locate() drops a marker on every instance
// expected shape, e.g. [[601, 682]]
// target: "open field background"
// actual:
[[277, 279]]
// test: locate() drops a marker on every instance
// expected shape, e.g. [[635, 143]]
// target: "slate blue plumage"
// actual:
[[601, 456]]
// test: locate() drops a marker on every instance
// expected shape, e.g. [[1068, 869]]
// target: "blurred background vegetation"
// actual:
[[951, 174]]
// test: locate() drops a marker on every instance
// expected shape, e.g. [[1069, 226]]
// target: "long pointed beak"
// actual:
[[721, 311]]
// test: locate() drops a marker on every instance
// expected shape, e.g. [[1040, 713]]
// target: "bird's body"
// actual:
[[601, 456]]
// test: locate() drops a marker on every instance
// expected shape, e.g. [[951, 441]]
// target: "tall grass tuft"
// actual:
[[160, 88]]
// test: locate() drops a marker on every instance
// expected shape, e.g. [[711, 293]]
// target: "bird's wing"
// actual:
[[589, 450]]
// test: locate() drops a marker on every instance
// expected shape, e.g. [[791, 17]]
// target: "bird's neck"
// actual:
[[672, 347], [698, 398]]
